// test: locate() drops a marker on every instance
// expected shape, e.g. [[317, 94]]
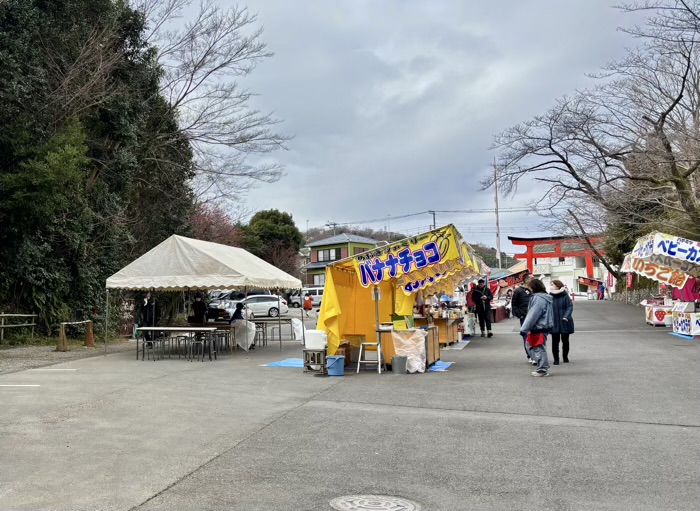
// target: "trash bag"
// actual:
[[240, 326], [411, 344], [298, 328]]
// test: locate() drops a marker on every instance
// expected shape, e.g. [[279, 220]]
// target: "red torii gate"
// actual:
[[558, 246]]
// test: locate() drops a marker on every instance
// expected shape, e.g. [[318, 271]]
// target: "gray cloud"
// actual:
[[393, 104]]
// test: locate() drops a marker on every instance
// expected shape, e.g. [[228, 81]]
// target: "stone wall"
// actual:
[[633, 296]]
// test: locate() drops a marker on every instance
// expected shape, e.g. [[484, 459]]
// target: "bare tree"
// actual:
[[285, 258], [629, 147], [203, 60], [80, 72]]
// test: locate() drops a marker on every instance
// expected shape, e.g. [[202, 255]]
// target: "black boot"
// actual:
[[483, 334]]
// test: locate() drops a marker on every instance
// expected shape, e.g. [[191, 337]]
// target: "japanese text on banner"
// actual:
[[377, 269], [678, 248], [659, 273]]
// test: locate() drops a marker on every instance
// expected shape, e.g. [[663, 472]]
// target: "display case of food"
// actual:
[[658, 312], [686, 318]]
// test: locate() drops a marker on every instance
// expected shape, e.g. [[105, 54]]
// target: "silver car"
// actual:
[[261, 305]]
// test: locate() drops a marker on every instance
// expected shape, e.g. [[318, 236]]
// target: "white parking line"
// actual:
[[20, 385], [43, 369]]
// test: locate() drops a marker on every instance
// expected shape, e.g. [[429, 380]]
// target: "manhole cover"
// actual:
[[373, 502]]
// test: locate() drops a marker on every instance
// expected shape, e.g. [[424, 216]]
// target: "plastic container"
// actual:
[[335, 365], [316, 339], [398, 365]]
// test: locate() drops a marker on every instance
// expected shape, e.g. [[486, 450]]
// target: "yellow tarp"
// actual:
[[434, 261]]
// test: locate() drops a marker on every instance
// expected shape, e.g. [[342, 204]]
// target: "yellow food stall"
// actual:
[[380, 286]]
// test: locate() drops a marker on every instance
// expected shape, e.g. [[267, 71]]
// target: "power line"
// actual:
[[383, 219], [522, 209]]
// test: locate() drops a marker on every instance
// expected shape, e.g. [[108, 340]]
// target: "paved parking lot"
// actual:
[[618, 428]]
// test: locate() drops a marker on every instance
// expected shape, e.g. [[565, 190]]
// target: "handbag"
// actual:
[[535, 339]]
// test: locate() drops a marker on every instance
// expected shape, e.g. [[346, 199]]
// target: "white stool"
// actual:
[[374, 347]]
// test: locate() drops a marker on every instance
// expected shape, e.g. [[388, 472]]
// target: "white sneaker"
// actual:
[[538, 374], [532, 361]]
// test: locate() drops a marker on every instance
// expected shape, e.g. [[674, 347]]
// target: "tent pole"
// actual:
[[106, 317], [245, 318], [376, 312], [301, 310], [279, 316]]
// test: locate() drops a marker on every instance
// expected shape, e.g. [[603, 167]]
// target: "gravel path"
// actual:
[[20, 358]]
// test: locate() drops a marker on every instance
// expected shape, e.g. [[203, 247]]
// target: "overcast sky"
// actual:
[[393, 103]]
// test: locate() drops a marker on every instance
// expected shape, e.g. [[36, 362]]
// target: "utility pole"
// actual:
[[498, 222], [332, 224], [434, 224]]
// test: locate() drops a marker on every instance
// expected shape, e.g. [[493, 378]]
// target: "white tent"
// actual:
[[181, 263]]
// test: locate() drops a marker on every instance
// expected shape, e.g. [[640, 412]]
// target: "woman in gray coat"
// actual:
[[538, 322], [563, 309]]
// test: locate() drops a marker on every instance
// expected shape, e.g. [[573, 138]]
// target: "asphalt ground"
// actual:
[[617, 428]]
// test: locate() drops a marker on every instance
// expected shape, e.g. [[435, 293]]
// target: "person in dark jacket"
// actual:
[[199, 309], [482, 297], [519, 306], [238, 313], [151, 313], [562, 309]]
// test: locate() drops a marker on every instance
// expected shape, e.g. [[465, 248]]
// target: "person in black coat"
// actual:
[[199, 309], [482, 297], [563, 309], [519, 306], [151, 313]]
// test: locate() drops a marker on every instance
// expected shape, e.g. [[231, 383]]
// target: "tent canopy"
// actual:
[[181, 263], [433, 262], [667, 259]]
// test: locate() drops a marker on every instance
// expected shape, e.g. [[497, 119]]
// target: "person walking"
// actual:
[[308, 304], [562, 310], [519, 307], [538, 323], [482, 297], [601, 292]]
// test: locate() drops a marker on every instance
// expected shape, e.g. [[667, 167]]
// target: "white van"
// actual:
[[315, 292]]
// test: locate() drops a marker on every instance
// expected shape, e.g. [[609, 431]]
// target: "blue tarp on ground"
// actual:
[[440, 366], [298, 363], [686, 337], [288, 362]]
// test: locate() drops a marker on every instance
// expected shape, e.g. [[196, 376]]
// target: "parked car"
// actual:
[[218, 306], [217, 310], [295, 298], [266, 305], [225, 313]]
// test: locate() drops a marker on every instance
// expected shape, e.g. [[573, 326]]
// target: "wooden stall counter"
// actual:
[[498, 313], [447, 328]]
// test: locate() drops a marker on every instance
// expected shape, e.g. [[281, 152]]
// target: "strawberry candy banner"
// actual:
[[668, 259]]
